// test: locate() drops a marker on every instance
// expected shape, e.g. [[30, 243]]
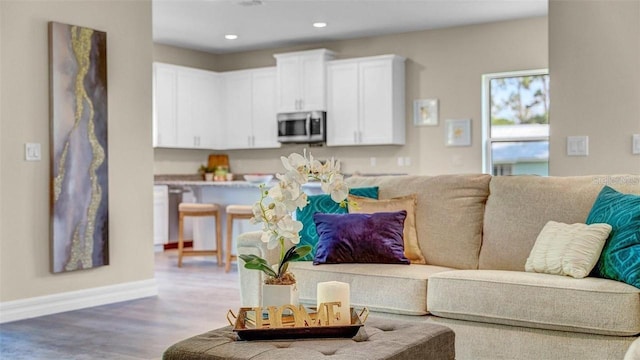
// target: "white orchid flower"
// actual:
[[276, 205], [289, 229], [339, 191]]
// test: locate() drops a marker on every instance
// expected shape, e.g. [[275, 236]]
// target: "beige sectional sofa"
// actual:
[[476, 232]]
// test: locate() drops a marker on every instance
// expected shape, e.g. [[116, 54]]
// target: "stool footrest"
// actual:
[[199, 252]]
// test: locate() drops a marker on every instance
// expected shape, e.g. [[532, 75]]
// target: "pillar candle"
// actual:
[[331, 291]]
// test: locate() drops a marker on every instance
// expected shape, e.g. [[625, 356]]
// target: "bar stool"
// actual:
[[199, 210], [238, 212]]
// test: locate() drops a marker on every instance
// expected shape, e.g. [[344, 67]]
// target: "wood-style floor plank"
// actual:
[[192, 300]]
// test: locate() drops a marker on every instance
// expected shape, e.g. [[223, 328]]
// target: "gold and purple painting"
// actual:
[[79, 171]]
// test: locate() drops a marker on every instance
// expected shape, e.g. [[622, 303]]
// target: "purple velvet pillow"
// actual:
[[360, 238]]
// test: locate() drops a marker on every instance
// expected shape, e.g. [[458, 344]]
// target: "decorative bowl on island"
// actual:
[[258, 178]]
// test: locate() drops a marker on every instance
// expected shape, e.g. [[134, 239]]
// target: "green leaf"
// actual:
[[255, 262]]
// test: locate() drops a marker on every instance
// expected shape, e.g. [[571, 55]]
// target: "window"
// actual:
[[516, 123]]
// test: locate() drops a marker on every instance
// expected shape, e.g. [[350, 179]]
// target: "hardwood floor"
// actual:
[[192, 300]]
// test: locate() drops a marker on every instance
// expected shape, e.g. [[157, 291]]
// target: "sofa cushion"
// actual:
[[409, 235], [389, 288], [567, 249], [323, 204], [553, 302], [518, 207], [620, 258], [445, 240], [360, 238]]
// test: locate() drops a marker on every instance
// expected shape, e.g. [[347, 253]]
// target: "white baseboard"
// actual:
[[74, 300]]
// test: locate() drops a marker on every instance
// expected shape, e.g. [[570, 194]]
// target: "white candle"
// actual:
[[332, 291]]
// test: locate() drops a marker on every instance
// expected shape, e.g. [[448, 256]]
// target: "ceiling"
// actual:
[[260, 24]]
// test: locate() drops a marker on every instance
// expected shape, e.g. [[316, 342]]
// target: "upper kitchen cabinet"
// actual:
[[165, 88], [366, 103], [187, 108], [301, 80], [250, 109]]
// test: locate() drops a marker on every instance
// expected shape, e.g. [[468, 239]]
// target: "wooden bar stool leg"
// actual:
[[218, 239], [227, 267], [180, 237]]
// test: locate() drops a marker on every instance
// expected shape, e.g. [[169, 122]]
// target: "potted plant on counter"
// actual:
[[206, 172], [274, 211]]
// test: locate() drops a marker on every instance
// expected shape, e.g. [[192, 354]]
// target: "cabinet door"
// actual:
[[204, 107], [165, 86], [186, 132], [238, 110], [342, 104], [312, 76], [288, 82], [376, 109], [160, 215], [265, 125]]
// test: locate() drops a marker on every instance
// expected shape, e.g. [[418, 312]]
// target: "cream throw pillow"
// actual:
[[410, 236], [564, 249]]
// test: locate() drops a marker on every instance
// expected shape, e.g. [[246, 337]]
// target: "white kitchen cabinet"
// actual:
[[160, 215], [301, 80], [165, 87], [365, 101], [187, 108], [250, 111]]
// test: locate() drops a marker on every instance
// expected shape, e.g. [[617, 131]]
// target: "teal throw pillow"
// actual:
[[620, 257], [324, 204]]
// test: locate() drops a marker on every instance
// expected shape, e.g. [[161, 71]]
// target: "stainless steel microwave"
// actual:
[[302, 127]]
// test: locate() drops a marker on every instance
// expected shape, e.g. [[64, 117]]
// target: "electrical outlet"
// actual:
[[373, 161], [32, 152], [400, 161], [636, 144], [577, 145], [407, 161]]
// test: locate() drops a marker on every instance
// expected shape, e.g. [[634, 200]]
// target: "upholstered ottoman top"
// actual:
[[378, 339]]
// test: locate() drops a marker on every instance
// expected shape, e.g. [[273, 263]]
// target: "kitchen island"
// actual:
[[222, 193]]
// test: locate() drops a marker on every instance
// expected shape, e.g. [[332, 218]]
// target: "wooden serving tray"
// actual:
[[245, 328]]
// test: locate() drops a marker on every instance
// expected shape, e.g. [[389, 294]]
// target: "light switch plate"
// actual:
[[636, 144], [577, 145], [32, 152]]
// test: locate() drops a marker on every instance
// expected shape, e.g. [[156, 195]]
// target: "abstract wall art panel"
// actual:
[[79, 171]]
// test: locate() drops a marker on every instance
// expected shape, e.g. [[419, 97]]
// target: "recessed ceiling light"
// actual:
[[319, 24], [231, 36]]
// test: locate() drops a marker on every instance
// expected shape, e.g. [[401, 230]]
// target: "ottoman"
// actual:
[[377, 339]]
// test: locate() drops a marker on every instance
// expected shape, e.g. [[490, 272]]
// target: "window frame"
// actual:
[[487, 161]]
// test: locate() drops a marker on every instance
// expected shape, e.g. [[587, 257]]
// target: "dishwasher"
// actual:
[[178, 194]]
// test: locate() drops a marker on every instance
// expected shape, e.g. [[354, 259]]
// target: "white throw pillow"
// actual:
[[564, 249]]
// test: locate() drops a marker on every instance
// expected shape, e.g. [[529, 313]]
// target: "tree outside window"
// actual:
[[516, 123]]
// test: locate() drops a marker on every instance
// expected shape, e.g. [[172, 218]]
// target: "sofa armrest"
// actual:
[[251, 280]]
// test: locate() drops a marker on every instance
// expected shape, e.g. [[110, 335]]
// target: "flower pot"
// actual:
[[278, 295], [208, 176]]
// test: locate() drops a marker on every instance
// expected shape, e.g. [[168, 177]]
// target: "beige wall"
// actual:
[[446, 64], [24, 115], [184, 57], [594, 61]]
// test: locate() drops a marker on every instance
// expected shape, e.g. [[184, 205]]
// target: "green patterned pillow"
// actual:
[[324, 204], [620, 258]]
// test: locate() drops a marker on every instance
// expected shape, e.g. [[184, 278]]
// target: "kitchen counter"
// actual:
[[226, 184], [235, 183], [223, 193]]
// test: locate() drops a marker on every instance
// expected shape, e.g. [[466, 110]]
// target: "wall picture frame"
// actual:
[[79, 147], [458, 132], [425, 112]]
